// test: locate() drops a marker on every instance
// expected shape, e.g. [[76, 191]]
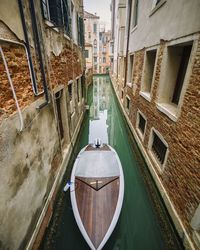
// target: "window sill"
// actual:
[[129, 84], [196, 238], [51, 25], [169, 110], [157, 164], [140, 134], [67, 37], [146, 95], [157, 7], [133, 29], [127, 111]]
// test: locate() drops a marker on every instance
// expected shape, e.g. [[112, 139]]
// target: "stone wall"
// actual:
[[181, 174]]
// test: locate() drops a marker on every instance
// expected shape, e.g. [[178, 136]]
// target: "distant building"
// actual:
[[92, 27], [97, 44], [155, 72]]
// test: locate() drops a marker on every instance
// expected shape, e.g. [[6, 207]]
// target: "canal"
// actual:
[[144, 223]]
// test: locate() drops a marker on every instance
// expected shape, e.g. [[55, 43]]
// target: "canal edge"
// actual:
[[47, 211], [184, 236]]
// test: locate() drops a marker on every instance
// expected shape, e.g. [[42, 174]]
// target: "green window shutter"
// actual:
[[67, 17], [55, 10], [44, 8]]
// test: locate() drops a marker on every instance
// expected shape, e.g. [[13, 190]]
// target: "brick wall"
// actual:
[[18, 67], [181, 175], [66, 66]]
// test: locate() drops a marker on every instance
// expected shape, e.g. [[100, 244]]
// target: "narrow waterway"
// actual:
[[144, 223]]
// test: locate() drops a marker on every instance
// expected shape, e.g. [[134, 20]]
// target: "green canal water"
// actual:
[[144, 223]]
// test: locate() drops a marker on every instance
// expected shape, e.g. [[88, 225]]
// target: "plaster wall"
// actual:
[[27, 171], [7, 17], [172, 20]]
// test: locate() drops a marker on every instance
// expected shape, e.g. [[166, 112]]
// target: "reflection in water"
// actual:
[[99, 111]]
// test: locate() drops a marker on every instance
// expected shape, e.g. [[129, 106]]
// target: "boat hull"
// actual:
[[97, 200]]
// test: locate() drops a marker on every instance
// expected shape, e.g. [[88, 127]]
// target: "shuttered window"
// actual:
[[66, 17], [58, 12], [55, 12]]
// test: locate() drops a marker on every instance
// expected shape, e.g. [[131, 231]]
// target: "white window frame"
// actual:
[[129, 81], [133, 11], [139, 113], [145, 94], [171, 110], [156, 7], [158, 164]]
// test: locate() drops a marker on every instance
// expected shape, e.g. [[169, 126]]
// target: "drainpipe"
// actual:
[[27, 48], [13, 90], [36, 35], [129, 24]]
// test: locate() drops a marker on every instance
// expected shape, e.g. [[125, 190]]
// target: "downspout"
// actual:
[[13, 90], [27, 47], [129, 24], [36, 35]]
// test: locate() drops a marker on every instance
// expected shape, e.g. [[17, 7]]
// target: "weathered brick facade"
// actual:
[[34, 159], [181, 174]]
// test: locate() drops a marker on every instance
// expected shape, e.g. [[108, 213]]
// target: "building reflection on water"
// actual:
[[99, 110]]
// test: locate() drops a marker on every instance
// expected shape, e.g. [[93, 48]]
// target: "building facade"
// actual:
[[156, 73], [97, 44], [42, 86], [92, 27]]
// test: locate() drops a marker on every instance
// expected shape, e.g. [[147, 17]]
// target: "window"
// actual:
[[70, 96], [185, 55], [57, 12], [141, 123], [95, 28], [95, 42], [158, 148], [173, 73], [130, 68], [89, 35], [95, 59], [127, 103], [104, 60], [77, 90], [157, 2], [82, 87], [58, 96], [80, 29], [135, 14], [86, 53], [122, 94], [148, 71], [70, 91]]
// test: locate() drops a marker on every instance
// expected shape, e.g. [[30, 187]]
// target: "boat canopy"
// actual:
[[97, 164]]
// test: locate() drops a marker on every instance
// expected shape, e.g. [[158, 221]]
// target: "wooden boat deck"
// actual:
[[103, 148], [96, 202]]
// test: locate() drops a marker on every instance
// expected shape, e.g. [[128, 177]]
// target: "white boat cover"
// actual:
[[97, 164]]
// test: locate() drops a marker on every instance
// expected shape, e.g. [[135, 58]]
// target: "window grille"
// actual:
[[159, 148]]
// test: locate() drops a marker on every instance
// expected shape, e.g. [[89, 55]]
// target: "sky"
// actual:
[[102, 8]]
